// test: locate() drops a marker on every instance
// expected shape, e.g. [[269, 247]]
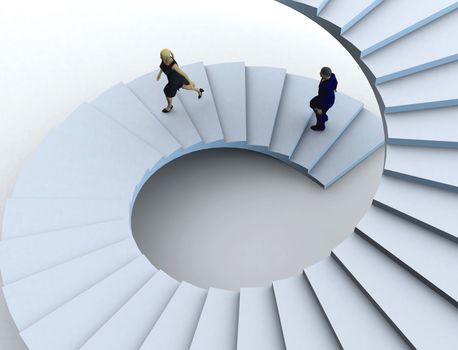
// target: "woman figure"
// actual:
[[325, 99], [177, 79]]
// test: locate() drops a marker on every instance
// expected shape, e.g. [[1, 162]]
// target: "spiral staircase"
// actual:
[[73, 275]]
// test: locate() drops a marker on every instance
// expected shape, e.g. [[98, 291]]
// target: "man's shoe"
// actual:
[[316, 128]]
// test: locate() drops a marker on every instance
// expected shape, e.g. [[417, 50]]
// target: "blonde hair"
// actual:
[[165, 53]]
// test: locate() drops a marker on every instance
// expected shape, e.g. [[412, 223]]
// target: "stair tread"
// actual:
[[346, 13], [432, 126], [362, 137], [259, 324], [303, 323], [227, 82], [424, 318], [202, 111], [27, 216], [88, 156], [432, 206], [120, 104], [71, 325], [293, 113], [175, 327], [217, 327], [430, 255], [412, 55], [313, 145], [424, 164], [24, 256], [264, 86], [353, 317], [178, 123], [434, 87], [31, 298], [393, 19], [145, 307]]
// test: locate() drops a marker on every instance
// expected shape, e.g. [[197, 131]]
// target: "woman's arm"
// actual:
[[159, 74], [180, 71]]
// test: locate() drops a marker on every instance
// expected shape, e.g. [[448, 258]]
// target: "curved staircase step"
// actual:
[[346, 13], [32, 298], [202, 111], [430, 127], [28, 216], [175, 327], [431, 166], [129, 327], [217, 327], [293, 113], [348, 311], [227, 83], [107, 164], [392, 20], [259, 324], [264, 86], [430, 257], [318, 4], [71, 325], [427, 47], [24, 256], [424, 318], [432, 88], [120, 104], [430, 207], [362, 138], [178, 123], [313, 145], [303, 322]]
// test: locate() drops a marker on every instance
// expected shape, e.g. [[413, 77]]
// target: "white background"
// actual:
[[56, 54]]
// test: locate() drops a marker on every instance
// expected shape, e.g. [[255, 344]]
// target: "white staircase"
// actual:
[[74, 278]]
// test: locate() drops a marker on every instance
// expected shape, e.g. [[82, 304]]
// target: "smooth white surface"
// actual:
[[56, 54], [394, 18], [259, 324], [427, 253], [435, 166], [26, 216], [421, 202], [121, 104], [203, 114], [71, 325], [425, 48], [31, 298], [217, 327], [284, 232], [303, 322], [176, 326], [264, 87], [144, 307], [416, 309], [350, 313], [431, 126], [227, 81]]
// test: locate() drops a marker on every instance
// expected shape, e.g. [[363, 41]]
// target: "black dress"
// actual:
[[176, 80]]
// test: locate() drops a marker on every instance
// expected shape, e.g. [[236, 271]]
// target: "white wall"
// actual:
[[56, 54]]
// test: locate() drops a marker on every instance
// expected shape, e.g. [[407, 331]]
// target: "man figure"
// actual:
[[325, 99]]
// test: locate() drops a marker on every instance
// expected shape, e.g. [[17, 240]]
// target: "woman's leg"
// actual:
[[192, 87], [169, 103]]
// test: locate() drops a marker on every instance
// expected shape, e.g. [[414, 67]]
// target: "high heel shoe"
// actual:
[[167, 111], [200, 95]]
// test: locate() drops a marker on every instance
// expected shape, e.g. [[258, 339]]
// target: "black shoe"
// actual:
[[200, 95], [316, 128], [167, 111]]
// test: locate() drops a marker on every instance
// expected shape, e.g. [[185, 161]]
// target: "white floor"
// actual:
[[232, 218], [56, 54]]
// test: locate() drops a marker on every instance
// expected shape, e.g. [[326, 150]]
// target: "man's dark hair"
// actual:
[[326, 71]]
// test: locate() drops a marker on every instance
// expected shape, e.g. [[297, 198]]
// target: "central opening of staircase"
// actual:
[[231, 218]]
